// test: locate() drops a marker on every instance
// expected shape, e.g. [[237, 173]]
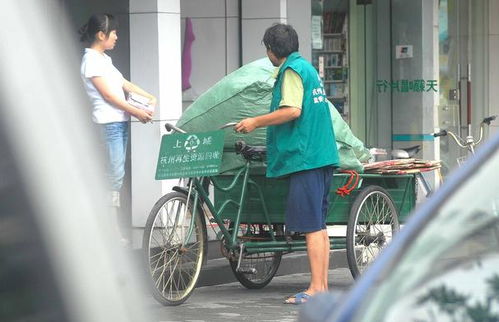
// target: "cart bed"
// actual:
[[402, 189]]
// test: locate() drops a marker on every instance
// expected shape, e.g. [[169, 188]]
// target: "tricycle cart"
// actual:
[[249, 210]]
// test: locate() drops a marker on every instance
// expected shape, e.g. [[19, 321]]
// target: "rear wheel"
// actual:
[[258, 269], [173, 262], [372, 222]]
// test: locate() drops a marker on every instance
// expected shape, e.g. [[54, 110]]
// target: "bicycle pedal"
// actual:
[[250, 270]]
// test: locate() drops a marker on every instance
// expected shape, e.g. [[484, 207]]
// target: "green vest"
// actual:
[[307, 142]]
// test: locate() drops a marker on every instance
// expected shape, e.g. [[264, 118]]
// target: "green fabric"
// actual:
[[308, 141], [247, 92], [350, 149]]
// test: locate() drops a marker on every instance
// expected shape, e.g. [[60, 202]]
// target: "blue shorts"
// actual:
[[308, 200]]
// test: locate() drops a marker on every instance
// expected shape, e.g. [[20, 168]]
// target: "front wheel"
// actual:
[[372, 222], [173, 262]]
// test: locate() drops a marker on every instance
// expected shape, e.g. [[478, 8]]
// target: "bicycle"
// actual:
[[249, 211]]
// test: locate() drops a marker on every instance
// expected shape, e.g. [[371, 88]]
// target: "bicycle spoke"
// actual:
[[374, 221]]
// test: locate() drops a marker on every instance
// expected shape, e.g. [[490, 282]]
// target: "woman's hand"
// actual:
[[153, 101], [143, 115]]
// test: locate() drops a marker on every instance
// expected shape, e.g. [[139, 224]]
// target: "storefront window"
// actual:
[[463, 71], [344, 51], [395, 76], [330, 50]]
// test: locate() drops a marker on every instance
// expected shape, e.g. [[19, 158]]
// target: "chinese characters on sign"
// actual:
[[190, 155], [406, 86]]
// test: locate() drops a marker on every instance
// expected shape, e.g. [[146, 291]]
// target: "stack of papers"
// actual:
[[401, 166], [139, 101]]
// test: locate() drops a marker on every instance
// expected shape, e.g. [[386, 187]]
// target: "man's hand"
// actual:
[[246, 126], [282, 115]]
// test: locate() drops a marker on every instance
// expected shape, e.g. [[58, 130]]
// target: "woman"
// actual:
[[106, 87]]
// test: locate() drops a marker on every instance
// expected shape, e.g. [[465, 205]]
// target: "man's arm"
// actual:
[[282, 115]]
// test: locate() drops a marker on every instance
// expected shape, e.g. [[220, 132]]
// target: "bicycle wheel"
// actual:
[[372, 222], [257, 270], [173, 263]]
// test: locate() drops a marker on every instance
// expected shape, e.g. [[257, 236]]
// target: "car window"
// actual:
[[462, 286], [454, 262]]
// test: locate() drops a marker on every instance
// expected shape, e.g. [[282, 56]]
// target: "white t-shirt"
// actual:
[[96, 64]]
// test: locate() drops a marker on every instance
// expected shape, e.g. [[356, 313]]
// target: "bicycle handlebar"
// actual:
[[228, 125], [170, 127], [469, 143], [489, 119], [441, 133]]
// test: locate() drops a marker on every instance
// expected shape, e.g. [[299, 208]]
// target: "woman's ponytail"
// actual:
[[98, 22], [83, 32]]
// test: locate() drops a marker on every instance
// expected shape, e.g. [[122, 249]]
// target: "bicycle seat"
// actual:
[[250, 152]]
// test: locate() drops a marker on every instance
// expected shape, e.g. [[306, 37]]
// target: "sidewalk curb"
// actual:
[[217, 271]]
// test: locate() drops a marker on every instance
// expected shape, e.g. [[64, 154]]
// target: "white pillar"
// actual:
[[299, 15], [155, 65], [257, 16]]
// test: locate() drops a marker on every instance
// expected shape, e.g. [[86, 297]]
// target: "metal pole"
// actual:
[[468, 99], [459, 100]]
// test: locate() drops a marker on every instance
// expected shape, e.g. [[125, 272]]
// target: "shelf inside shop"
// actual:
[[334, 35], [326, 81]]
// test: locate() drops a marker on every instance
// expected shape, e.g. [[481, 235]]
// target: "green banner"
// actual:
[[190, 155]]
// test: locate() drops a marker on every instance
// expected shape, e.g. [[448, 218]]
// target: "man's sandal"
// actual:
[[298, 298]]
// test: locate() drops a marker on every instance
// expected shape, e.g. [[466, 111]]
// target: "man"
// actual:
[[301, 145]]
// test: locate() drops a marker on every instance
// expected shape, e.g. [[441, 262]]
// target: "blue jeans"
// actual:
[[115, 137]]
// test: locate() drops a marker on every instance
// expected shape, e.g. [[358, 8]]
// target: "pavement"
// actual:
[[233, 302], [219, 297]]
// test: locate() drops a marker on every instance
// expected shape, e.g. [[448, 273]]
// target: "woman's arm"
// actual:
[[131, 87], [101, 85]]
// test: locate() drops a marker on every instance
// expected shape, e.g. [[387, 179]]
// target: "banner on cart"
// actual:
[[190, 155]]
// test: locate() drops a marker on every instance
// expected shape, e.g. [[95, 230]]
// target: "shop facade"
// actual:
[[397, 70]]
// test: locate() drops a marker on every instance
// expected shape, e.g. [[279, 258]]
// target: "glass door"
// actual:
[[463, 72]]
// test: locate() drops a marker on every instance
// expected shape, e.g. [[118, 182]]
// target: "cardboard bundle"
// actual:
[[401, 166]]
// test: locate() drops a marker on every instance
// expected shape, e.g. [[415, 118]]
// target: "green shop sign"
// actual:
[[190, 155], [406, 86]]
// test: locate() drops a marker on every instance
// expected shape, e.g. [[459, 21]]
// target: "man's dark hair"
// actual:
[[281, 39], [98, 22]]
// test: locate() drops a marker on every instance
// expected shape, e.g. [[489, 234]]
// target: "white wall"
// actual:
[[215, 48], [258, 15], [300, 16], [215, 51]]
